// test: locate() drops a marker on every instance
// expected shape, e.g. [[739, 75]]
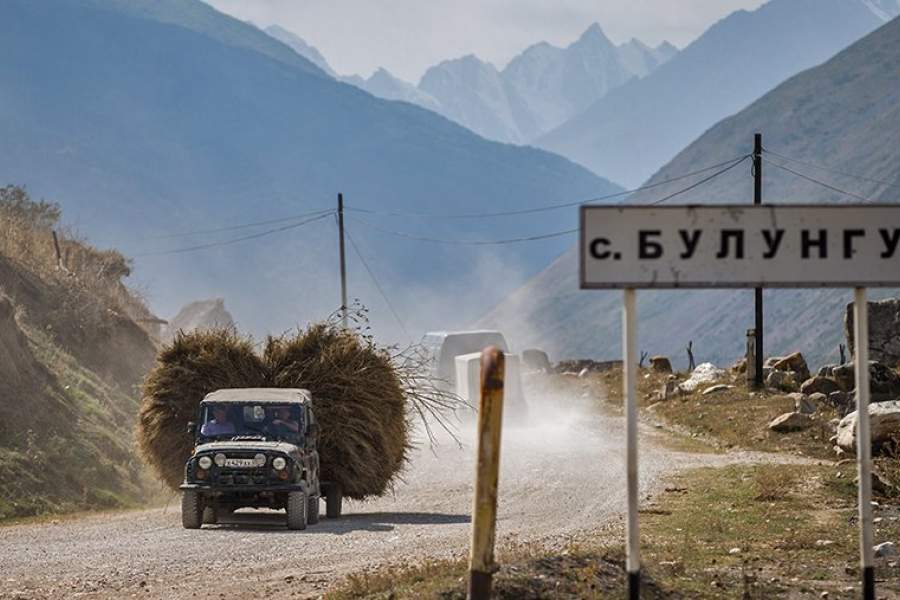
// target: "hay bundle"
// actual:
[[362, 397], [359, 401], [190, 367]]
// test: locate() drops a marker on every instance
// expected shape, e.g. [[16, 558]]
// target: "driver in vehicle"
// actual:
[[283, 423], [219, 424]]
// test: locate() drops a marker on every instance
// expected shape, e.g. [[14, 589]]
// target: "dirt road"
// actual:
[[559, 480]]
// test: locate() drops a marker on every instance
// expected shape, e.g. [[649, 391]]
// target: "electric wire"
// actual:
[[387, 301], [817, 182], [236, 240], [549, 207], [241, 226], [831, 170], [422, 238], [701, 182]]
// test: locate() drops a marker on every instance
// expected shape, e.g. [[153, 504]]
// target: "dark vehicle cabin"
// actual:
[[253, 447]]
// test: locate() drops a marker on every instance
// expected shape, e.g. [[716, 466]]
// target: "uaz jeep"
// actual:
[[254, 447]]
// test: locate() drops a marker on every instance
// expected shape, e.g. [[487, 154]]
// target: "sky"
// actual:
[[408, 36]]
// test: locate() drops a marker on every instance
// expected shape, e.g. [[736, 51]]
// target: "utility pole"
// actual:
[[343, 260], [757, 199]]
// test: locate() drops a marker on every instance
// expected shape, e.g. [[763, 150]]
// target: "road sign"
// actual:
[[737, 247], [740, 246]]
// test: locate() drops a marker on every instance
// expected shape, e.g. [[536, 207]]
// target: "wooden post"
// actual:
[[59, 262], [484, 506], [343, 260], [629, 384], [864, 441]]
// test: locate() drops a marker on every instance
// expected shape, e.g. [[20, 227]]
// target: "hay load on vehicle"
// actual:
[[363, 395]]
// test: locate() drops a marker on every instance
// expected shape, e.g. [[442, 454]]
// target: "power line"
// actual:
[[242, 226], [816, 181], [466, 242], [702, 181], [377, 285], [831, 170], [549, 207], [236, 240]]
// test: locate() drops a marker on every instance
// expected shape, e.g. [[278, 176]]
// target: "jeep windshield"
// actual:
[[251, 421]]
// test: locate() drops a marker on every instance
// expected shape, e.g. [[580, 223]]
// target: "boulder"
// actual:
[[701, 375], [782, 380], [820, 385], [802, 403], [668, 390], [792, 421], [827, 371], [795, 363], [772, 361], [842, 402], [715, 389], [660, 364], [740, 366], [884, 418], [884, 331], [885, 549], [884, 383]]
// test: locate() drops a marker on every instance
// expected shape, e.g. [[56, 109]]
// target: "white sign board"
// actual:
[[740, 246]]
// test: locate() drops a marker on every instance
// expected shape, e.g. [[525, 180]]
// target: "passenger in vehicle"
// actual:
[[219, 424], [283, 423]]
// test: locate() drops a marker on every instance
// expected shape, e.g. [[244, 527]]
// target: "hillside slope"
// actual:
[[146, 127], [637, 128], [844, 114], [71, 357]]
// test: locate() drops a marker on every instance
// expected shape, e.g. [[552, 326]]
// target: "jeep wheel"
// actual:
[[191, 510], [312, 511], [210, 515], [334, 498], [297, 504]]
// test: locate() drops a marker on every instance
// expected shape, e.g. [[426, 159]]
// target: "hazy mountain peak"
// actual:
[[594, 35], [667, 48], [299, 45]]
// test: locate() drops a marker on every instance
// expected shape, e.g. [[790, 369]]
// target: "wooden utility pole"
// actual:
[[757, 199], [343, 260], [487, 470]]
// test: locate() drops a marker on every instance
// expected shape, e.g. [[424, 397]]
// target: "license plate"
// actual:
[[240, 463]]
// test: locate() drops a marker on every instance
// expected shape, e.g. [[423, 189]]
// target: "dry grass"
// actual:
[[363, 396]]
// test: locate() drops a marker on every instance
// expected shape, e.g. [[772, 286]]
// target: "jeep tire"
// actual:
[[297, 503], [334, 498], [191, 510], [312, 511]]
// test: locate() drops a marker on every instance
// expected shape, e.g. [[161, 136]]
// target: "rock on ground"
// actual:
[[793, 362], [661, 364], [792, 421], [884, 418], [884, 331], [702, 374], [820, 385], [784, 381]]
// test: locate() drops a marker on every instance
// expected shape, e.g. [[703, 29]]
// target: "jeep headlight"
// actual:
[[260, 460], [220, 459], [204, 462], [278, 463]]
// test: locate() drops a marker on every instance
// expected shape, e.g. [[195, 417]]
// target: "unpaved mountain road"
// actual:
[[559, 480]]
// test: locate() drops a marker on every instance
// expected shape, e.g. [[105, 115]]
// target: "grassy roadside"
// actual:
[[742, 531]]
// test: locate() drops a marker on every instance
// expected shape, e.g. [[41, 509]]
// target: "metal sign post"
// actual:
[[629, 384], [740, 246], [864, 441]]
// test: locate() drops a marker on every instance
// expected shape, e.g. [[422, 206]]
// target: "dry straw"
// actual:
[[363, 396]]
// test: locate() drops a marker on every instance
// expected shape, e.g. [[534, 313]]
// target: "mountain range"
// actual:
[[151, 120], [840, 120], [538, 90], [632, 131]]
